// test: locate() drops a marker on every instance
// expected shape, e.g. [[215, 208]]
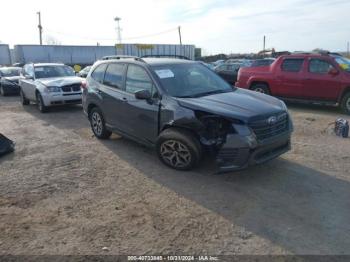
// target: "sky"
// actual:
[[217, 26]]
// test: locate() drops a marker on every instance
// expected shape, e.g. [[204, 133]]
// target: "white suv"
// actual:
[[49, 85]]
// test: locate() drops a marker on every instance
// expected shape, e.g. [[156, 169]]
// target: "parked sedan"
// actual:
[[228, 72], [9, 77], [49, 84], [84, 72]]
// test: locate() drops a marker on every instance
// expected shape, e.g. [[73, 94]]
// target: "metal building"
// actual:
[[84, 55], [5, 56]]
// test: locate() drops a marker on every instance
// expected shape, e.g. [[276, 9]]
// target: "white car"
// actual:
[[49, 84]]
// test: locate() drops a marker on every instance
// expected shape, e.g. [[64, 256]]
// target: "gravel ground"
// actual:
[[65, 192]]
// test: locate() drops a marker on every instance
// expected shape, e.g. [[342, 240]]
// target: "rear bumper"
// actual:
[[53, 99], [239, 153]]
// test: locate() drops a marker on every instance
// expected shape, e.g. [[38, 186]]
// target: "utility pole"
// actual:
[[40, 29], [180, 35], [264, 45], [117, 19]]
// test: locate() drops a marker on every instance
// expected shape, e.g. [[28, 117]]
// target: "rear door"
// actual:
[[290, 77], [112, 96], [141, 116], [319, 83]]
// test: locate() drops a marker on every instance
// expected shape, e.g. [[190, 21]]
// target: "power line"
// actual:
[[107, 39]]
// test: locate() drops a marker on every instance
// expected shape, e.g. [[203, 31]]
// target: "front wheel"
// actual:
[[98, 125], [24, 100], [40, 103], [179, 149], [345, 103]]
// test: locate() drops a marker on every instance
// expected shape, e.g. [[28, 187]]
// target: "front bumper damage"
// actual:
[[240, 151]]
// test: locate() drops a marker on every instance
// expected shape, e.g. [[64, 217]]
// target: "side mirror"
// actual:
[[333, 72], [143, 95], [28, 77]]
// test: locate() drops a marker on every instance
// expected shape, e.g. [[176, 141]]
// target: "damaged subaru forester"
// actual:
[[185, 110]]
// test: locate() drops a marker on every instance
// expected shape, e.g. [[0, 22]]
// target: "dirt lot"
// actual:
[[65, 192]]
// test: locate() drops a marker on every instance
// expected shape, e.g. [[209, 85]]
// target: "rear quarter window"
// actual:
[[292, 65]]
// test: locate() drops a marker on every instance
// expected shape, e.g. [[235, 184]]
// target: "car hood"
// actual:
[[60, 81], [240, 104], [11, 78]]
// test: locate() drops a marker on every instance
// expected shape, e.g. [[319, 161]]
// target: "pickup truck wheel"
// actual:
[[345, 104], [178, 149], [261, 88], [98, 125], [40, 103], [24, 100]]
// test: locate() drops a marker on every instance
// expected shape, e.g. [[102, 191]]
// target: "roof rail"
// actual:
[[119, 57], [167, 56]]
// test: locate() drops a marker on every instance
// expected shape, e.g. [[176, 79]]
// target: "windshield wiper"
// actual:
[[212, 92]]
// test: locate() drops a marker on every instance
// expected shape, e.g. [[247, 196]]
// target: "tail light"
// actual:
[[83, 84]]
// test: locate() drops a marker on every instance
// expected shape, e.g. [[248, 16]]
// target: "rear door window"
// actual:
[[99, 73], [114, 75], [319, 66], [292, 65]]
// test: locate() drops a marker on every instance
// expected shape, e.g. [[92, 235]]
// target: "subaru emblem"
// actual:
[[272, 120]]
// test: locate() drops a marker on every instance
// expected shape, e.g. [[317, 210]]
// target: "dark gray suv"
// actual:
[[185, 110]]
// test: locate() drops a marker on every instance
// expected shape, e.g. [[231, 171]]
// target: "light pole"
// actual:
[[40, 29], [117, 19]]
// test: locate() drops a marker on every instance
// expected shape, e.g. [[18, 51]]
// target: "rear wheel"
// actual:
[[345, 103], [40, 103], [261, 88], [24, 100], [98, 125], [178, 149]]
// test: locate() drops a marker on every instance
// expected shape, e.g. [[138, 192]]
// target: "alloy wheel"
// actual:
[[96, 122], [175, 153]]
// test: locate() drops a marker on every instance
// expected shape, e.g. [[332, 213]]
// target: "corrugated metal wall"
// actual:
[[89, 54], [63, 54], [148, 49], [5, 56]]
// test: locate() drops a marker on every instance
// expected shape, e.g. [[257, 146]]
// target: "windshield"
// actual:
[[190, 80], [343, 62], [53, 71], [8, 72]]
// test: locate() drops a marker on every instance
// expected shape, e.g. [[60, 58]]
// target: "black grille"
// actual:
[[228, 154], [71, 88], [265, 129]]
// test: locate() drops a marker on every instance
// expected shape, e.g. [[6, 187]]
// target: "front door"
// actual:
[[141, 116]]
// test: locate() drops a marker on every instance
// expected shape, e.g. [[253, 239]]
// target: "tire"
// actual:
[[24, 100], [178, 149], [98, 125], [2, 91], [345, 103], [40, 103], [261, 88]]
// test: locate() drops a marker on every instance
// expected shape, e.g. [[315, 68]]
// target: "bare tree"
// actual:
[[50, 40]]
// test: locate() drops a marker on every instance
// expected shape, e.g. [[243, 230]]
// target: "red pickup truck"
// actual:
[[311, 78]]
